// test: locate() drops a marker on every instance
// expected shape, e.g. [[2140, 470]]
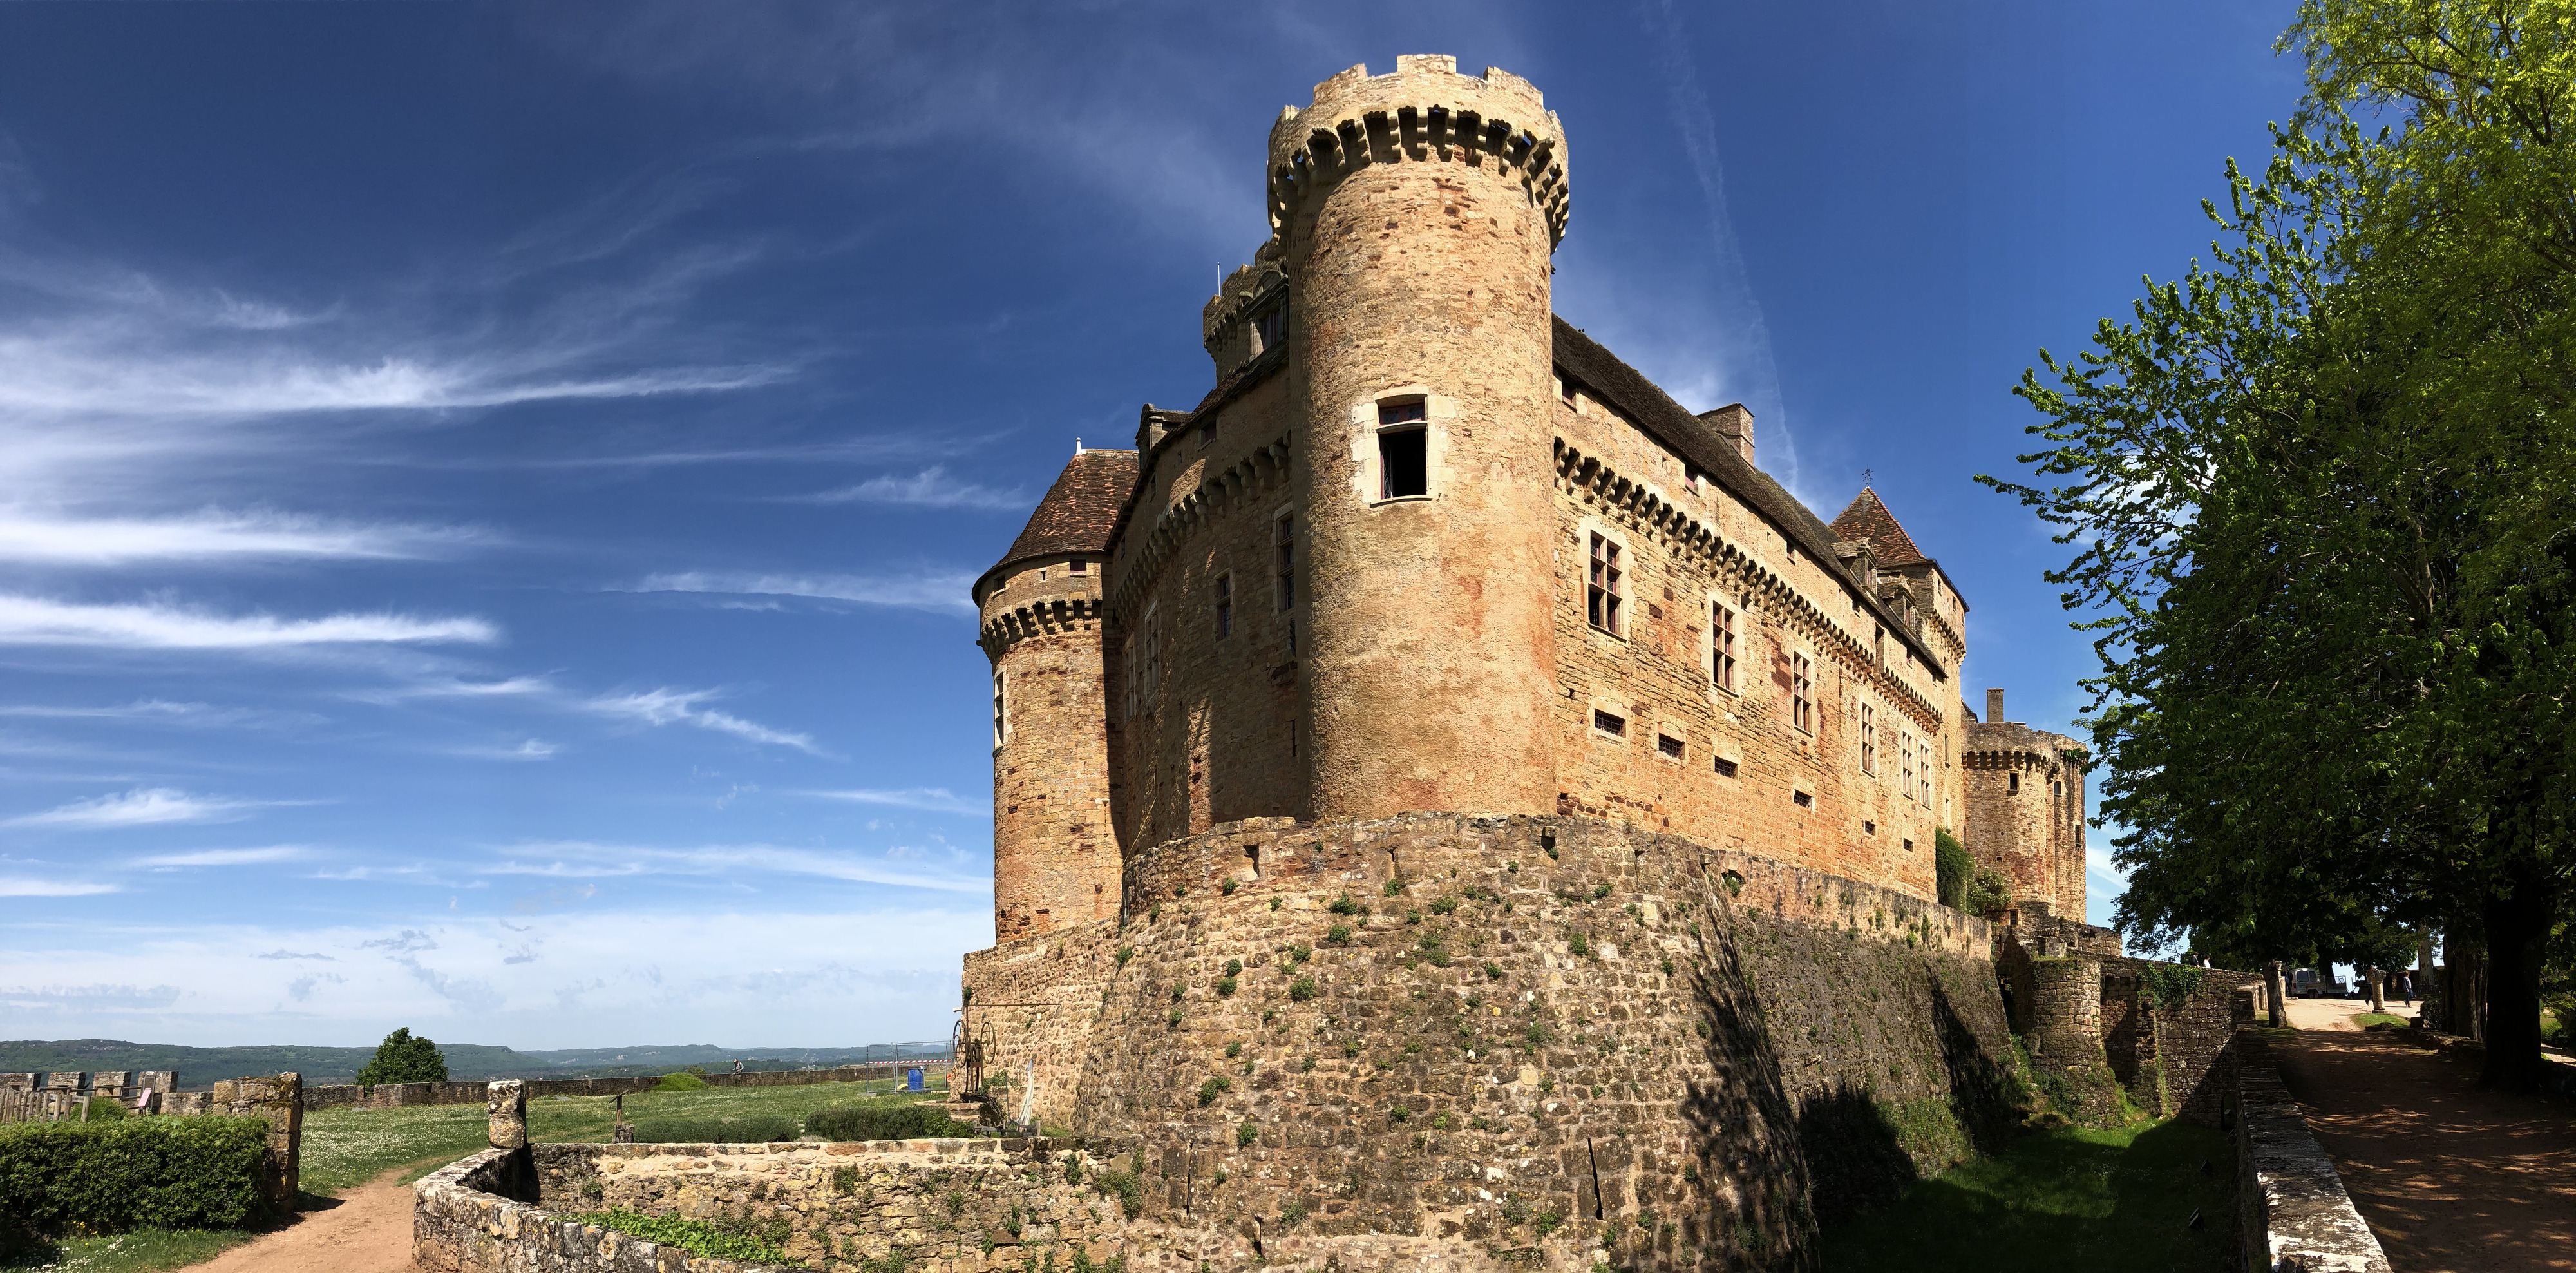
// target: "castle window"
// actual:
[[1078, 566], [1868, 738], [1669, 745], [1905, 764], [1614, 726], [1802, 688], [1207, 433], [1721, 642], [1725, 767], [1403, 450], [1267, 327], [1871, 828], [1924, 750], [1283, 562], [1878, 645], [1909, 846], [1001, 708], [1604, 586], [1224, 606], [2012, 784], [1802, 799], [1566, 387]]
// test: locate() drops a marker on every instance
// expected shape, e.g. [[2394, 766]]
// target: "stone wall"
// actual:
[[2175, 1060], [401, 1095], [277, 1099], [1055, 851], [2025, 811], [2292, 1210], [1552, 1024], [1034, 1002]]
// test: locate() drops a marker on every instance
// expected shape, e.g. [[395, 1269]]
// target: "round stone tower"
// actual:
[[1418, 213], [1055, 858]]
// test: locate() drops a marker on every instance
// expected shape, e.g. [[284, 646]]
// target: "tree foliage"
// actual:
[[2319, 490], [403, 1058]]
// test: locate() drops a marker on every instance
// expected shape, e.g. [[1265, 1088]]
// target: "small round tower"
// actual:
[[1055, 857], [1418, 212]]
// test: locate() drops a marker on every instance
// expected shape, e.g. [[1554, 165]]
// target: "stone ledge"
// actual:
[[2296, 1215]]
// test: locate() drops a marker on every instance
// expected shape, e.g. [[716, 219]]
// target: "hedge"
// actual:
[[884, 1122], [165, 1172]]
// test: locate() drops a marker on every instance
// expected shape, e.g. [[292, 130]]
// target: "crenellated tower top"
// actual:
[[1424, 110]]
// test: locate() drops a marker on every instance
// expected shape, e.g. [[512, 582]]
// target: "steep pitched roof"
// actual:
[[1868, 521], [1078, 511], [1688, 436]]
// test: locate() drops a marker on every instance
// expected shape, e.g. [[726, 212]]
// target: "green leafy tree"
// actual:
[[404, 1058], [2319, 490]]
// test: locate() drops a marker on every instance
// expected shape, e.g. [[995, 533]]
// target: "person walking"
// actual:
[[737, 1065], [2406, 987]]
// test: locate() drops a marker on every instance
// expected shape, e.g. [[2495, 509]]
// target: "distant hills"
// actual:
[[199, 1067]]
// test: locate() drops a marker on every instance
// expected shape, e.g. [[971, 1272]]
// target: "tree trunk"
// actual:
[[2517, 925]]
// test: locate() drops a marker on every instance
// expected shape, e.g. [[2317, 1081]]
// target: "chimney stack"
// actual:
[[1994, 707], [1735, 424]]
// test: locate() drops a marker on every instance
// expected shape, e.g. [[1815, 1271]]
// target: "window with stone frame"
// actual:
[[1403, 450], [1721, 646], [1802, 691], [1605, 585], [1267, 327], [1001, 708], [1224, 606], [1923, 773], [1868, 738], [1283, 560], [1905, 764]]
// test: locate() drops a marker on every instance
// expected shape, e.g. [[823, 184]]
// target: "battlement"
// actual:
[[1424, 110]]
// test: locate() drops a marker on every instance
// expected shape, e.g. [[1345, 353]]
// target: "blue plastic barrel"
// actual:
[[912, 1079]]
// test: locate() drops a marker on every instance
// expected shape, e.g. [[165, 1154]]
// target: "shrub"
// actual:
[[696, 1236], [1125, 953], [1338, 935], [1578, 944], [1125, 1187], [884, 1122], [1228, 887], [1234, 968], [1208, 1091], [1444, 906], [1225, 987], [133, 1173], [402, 1058], [739, 1129], [1347, 905], [1494, 970], [1394, 888], [1952, 867], [680, 1081], [1301, 990], [1988, 893], [1246, 1133]]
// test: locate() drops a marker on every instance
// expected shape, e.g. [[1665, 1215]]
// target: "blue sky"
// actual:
[[487, 493]]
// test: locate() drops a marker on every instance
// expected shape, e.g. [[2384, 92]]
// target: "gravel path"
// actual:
[[367, 1230], [2449, 1177]]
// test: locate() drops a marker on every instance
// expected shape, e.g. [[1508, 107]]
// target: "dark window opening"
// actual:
[[1569, 387], [1871, 828], [1403, 455], [1616, 726], [1669, 745], [1283, 564], [1725, 767], [1224, 606], [1267, 327], [1804, 800], [1207, 433], [1721, 635], [1909, 846], [1604, 585], [1078, 566], [2012, 784]]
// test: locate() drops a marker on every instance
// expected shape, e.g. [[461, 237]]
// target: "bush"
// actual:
[[1953, 867], [680, 1081], [132, 1173], [884, 1122], [695, 1236], [402, 1058], [736, 1129]]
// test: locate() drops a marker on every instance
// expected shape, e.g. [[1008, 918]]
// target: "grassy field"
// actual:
[[2113, 1201], [2368, 1019], [143, 1251], [345, 1148]]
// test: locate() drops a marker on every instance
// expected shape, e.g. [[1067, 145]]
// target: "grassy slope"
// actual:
[[2102, 1201]]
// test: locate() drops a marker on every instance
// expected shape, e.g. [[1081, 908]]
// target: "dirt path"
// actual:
[[367, 1231], [2449, 1177]]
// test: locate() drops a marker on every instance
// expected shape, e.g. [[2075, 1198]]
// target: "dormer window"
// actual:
[[1267, 327]]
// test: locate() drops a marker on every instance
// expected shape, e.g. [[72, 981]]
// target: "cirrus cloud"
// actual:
[[28, 620]]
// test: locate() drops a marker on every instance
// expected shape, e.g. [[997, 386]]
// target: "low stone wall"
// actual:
[[400, 1095], [1539, 1029], [2292, 1206]]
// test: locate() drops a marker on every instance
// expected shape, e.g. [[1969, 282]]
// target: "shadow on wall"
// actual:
[[1746, 1130]]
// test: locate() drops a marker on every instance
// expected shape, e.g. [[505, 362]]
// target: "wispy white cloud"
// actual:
[[143, 806], [670, 706], [450, 687], [162, 711], [930, 488], [583, 860], [22, 886], [226, 857], [532, 749], [28, 620], [947, 592], [928, 799], [55, 539]]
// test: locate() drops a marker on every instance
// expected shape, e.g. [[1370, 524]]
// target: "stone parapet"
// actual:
[[475, 1092], [2293, 1209], [277, 1099]]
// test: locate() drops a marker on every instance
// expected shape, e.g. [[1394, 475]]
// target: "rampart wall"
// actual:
[[400, 1095], [1546, 1023]]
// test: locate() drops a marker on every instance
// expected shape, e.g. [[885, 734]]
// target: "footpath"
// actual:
[[2449, 1177], [367, 1230]]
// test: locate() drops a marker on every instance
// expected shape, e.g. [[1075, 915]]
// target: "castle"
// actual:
[[1451, 806], [1426, 546]]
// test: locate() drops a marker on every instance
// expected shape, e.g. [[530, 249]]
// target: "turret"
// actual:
[[2025, 790], [1055, 858], [1418, 212]]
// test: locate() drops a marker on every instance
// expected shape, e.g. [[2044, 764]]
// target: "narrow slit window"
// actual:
[[1803, 800], [1909, 846], [1802, 688], [2012, 784], [1905, 765], [1403, 451], [1669, 745], [1283, 560], [1721, 637], [1924, 773], [1868, 828], [1224, 606], [1725, 767], [1001, 709], [1604, 584], [1614, 726], [1868, 738]]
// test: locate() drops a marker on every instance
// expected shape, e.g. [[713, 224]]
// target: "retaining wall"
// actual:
[[399, 1095], [2294, 1212]]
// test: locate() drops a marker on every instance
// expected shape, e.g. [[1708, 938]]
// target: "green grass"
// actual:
[[2369, 1019], [2107, 1201], [345, 1148], [143, 1251]]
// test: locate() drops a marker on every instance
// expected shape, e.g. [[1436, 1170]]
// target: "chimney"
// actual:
[[1735, 424], [1994, 707]]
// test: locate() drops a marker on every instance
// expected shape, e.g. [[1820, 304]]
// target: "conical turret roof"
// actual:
[[1868, 521]]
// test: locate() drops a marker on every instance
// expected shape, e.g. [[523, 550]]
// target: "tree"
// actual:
[[2320, 492], [402, 1058]]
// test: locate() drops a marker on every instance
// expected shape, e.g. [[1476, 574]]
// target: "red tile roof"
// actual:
[[1868, 521], [1078, 511]]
